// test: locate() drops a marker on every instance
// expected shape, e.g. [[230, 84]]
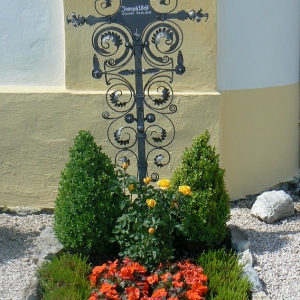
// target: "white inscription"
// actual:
[[138, 10]]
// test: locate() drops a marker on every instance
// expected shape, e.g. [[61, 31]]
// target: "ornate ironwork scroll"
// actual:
[[133, 43]]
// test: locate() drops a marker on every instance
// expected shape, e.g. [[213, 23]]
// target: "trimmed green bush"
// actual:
[[225, 275], [85, 209], [208, 211], [65, 278]]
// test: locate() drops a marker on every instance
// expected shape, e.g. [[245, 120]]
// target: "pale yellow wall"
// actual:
[[37, 129], [255, 131], [259, 138], [199, 49]]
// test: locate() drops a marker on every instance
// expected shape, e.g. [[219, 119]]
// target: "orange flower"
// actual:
[[94, 296], [152, 279], [177, 276], [133, 293], [159, 293], [126, 272], [164, 184], [192, 295], [177, 284], [199, 288], [167, 276], [105, 287], [93, 279], [113, 294], [185, 190], [147, 180], [99, 269]]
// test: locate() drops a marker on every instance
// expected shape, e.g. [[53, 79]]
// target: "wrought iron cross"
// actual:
[[132, 31]]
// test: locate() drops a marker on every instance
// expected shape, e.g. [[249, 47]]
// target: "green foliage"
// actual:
[[65, 277], [150, 216], [85, 210], [225, 280], [208, 209]]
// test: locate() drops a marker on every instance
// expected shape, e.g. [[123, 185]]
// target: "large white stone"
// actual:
[[273, 206]]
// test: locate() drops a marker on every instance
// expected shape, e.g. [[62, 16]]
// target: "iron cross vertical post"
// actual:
[[135, 39]]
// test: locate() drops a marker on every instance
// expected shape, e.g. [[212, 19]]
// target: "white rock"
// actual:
[[253, 278], [245, 258], [260, 295], [273, 206]]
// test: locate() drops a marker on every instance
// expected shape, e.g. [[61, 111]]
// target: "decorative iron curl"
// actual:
[[119, 158], [163, 157], [120, 137], [167, 3], [108, 42], [156, 33], [105, 4]]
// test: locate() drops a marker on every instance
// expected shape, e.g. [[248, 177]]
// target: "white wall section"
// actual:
[[258, 43], [32, 43]]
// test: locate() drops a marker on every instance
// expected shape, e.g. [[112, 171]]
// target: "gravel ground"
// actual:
[[18, 240], [275, 247]]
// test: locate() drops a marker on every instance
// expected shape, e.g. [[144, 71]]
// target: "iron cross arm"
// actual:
[[130, 17]]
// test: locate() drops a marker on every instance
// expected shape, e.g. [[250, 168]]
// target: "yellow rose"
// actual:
[[125, 166], [147, 180], [185, 190], [151, 202], [151, 230], [164, 184], [130, 187]]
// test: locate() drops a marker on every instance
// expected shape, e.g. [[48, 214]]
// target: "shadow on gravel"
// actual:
[[14, 244], [272, 241]]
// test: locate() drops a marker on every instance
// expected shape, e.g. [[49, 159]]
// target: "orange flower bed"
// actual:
[[129, 280]]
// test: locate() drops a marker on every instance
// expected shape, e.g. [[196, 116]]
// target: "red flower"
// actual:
[[199, 288], [105, 287], [160, 293], [177, 284], [94, 296], [152, 279], [166, 277], [192, 295], [132, 293]]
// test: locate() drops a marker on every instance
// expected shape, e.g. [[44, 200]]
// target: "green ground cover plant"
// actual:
[[226, 281], [65, 277]]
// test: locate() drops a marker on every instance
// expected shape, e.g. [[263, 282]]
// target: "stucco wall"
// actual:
[[32, 43], [258, 78], [241, 83]]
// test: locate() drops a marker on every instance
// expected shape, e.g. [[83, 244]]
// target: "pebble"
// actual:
[[275, 248]]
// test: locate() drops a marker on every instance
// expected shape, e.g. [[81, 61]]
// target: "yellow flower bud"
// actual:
[[151, 230], [147, 180], [130, 187], [185, 190], [164, 184], [125, 165], [151, 202]]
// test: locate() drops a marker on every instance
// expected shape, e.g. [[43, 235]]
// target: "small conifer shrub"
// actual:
[[85, 209], [208, 211]]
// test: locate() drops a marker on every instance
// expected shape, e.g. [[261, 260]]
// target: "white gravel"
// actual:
[[18, 239], [275, 247], [276, 251]]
